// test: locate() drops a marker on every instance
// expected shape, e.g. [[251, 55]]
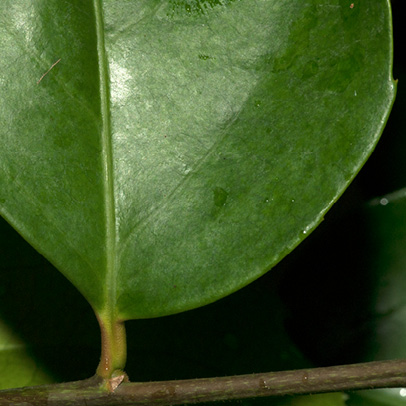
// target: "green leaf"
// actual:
[[163, 154], [37, 345], [17, 367], [387, 224], [328, 399], [378, 397]]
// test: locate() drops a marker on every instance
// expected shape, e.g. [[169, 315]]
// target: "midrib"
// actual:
[[107, 159]]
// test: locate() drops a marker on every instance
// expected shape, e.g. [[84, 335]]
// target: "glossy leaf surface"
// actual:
[[163, 154]]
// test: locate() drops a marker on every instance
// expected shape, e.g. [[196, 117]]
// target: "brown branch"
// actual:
[[382, 374]]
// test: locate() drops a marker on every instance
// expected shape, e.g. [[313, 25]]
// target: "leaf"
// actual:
[[388, 230], [326, 399], [387, 267], [37, 345], [163, 154], [378, 397], [17, 368]]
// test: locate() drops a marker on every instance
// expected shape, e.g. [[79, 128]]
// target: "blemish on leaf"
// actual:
[[46, 73], [219, 196], [196, 7]]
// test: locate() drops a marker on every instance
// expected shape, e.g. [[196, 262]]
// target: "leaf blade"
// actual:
[[154, 180]]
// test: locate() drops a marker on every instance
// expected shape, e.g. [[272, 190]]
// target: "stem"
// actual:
[[114, 348], [382, 374]]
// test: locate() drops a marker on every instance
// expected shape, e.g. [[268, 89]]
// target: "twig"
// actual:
[[373, 375], [46, 73]]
